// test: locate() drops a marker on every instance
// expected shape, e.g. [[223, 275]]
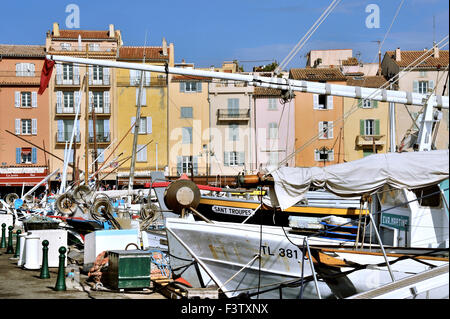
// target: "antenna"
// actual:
[[379, 56], [434, 30]]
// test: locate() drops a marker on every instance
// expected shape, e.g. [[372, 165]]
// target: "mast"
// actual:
[[86, 140]]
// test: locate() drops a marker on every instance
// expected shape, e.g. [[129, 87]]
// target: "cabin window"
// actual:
[[428, 196]]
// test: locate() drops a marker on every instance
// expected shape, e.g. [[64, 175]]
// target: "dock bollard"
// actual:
[[3, 243], [17, 252], [44, 268], [61, 281], [10, 248]]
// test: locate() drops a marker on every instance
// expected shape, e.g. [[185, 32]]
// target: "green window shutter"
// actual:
[[375, 104], [360, 103], [361, 127], [377, 127]]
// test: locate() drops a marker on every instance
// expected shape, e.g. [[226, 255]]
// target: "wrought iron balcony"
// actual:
[[73, 81], [367, 140], [233, 114], [100, 137], [63, 137]]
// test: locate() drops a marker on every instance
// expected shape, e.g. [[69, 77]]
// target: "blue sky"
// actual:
[[208, 32]]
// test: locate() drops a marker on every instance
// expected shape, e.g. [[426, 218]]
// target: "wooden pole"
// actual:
[[86, 146]]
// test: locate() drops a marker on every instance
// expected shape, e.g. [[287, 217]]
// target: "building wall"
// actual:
[[355, 146], [307, 129], [9, 113], [282, 145], [221, 143], [329, 57], [199, 122]]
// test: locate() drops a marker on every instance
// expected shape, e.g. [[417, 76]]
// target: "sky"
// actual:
[[254, 32]]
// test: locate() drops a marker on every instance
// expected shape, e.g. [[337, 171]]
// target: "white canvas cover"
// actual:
[[399, 170]]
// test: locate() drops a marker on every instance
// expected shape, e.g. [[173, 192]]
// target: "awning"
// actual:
[[22, 176]]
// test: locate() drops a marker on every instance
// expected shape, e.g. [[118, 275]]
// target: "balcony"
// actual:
[[100, 137], [63, 137], [233, 115], [105, 80], [370, 140], [65, 111], [154, 82], [104, 109], [60, 81]]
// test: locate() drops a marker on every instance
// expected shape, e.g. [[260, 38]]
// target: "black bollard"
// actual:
[[10, 248], [45, 274], [61, 281], [17, 253], [3, 243]]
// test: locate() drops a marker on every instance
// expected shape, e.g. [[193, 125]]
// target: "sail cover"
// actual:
[[400, 170]]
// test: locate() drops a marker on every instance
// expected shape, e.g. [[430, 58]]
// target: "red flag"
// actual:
[[46, 74]]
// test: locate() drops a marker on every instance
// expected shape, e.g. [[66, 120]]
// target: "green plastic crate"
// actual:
[[128, 269]]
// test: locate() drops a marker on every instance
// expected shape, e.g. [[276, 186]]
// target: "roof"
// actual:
[[350, 61], [408, 57], [85, 34], [137, 53], [317, 74], [375, 81], [181, 78], [13, 50], [262, 92]]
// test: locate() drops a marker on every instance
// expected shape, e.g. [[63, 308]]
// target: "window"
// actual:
[[26, 155], [191, 86], [186, 112], [322, 102], [426, 199], [97, 101], [233, 107], [273, 158], [68, 99], [67, 72], [272, 104], [423, 86], [234, 158], [25, 99], [94, 47], [273, 130], [184, 164], [233, 132], [25, 69], [65, 128], [66, 46], [97, 74], [370, 127], [145, 125], [325, 130], [368, 104], [102, 133], [187, 135], [323, 155], [100, 155], [26, 126]]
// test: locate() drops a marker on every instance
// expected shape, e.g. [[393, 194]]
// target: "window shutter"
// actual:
[[377, 127], [431, 84], [91, 74], [179, 164], [18, 69], [71, 155], [330, 130], [147, 78], [144, 97], [133, 120], [106, 76], [34, 155], [106, 129], [59, 101], [17, 126], [132, 77], [321, 135], [195, 165], [34, 99], [17, 101], [241, 158], [18, 151], [415, 86], [330, 102], [59, 133], [34, 126], [226, 158], [91, 100], [91, 128], [361, 127], [59, 74], [316, 155], [374, 104], [316, 101], [32, 69], [149, 125], [76, 75], [199, 86], [76, 98], [106, 102], [331, 155], [182, 87]]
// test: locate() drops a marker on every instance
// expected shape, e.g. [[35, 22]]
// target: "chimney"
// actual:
[[398, 54], [111, 31], [435, 52], [164, 46], [56, 29]]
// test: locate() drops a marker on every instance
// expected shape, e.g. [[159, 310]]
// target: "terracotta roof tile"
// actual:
[[13, 50], [317, 74], [137, 53], [408, 57], [180, 78], [262, 92], [366, 81], [85, 34], [350, 61]]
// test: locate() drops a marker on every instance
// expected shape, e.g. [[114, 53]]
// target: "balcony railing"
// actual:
[[100, 137], [126, 81], [233, 115], [61, 110], [104, 81], [105, 109], [60, 81], [62, 137], [367, 140]]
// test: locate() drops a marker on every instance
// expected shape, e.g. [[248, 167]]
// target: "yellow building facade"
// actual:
[[366, 127], [152, 142]]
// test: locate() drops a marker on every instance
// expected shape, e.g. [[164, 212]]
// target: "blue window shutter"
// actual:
[[241, 158], [179, 165], [91, 128], [195, 159], [34, 155], [18, 150], [106, 128], [199, 86], [182, 86], [226, 158]]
